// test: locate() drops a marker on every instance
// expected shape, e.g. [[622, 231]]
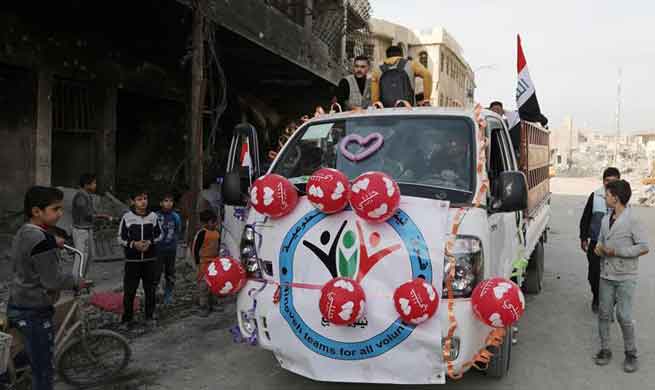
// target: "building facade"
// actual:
[[104, 87], [453, 78]]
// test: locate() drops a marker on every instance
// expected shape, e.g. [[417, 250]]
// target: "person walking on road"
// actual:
[[590, 223], [622, 240]]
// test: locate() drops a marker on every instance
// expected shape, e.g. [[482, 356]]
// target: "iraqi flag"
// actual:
[[246, 159], [526, 95]]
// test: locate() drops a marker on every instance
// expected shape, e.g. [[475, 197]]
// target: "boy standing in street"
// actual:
[[204, 249], [38, 280], [621, 242], [171, 226], [590, 223], [139, 233], [84, 215]]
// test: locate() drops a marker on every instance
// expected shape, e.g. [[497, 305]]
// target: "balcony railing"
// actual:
[[328, 18]]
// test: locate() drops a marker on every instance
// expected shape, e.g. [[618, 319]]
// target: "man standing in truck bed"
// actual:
[[354, 90], [396, 80], [590, 224]]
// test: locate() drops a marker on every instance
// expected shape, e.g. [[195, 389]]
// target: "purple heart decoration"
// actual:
[[368, 146]]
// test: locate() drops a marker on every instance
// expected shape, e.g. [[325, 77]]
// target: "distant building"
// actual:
[[453, 78], [645, 138]]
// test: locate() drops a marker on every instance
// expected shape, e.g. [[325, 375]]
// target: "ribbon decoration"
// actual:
[[496, 336], [519, 265], [403, 103], [291, 128], [250, 314], [369, 145], [332, 108]]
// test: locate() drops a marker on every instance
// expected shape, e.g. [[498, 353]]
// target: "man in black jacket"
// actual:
[[590, 224]]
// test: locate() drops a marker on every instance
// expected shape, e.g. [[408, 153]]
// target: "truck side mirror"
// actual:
[[234, 193], [512, 190]]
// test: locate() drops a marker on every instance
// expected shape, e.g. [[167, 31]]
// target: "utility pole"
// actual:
[[618, 115], [196, 105], [344, 34], [570, 162]]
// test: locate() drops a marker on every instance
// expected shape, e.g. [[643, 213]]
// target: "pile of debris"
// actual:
[[183, 306], [648, 197]]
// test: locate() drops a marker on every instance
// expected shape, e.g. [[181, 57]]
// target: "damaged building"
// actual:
[[104, 86]]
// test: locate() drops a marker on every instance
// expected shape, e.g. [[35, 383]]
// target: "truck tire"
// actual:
[[500, 361], [535, 271]]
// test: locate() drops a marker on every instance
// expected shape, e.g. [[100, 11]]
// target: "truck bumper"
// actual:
[[255, 306]]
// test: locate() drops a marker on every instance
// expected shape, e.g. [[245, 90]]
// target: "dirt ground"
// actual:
[[187, 351]]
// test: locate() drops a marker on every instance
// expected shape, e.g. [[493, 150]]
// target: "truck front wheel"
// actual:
[[500, 361], [535, 271]]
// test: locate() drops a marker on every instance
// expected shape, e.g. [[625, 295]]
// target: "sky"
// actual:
[[573, 49]]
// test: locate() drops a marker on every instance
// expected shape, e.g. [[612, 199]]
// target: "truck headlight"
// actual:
[[249, 257], [469, 266], [248, 252]]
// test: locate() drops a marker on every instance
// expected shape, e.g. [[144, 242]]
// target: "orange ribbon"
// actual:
[[496, 336]]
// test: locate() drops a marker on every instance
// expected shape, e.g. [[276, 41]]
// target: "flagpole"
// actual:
[[618, 115]]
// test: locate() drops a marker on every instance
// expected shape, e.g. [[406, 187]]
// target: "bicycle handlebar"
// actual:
[[82, 259]]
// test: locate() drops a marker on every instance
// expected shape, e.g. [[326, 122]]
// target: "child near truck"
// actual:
[[171, 225], [139, 233], [38, 280], [622, 240], [204, 249]]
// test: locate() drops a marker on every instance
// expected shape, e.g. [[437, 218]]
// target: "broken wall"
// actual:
[[151, 143], [17, 124]]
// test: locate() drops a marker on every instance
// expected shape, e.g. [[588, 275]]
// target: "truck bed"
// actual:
[[534, 162]]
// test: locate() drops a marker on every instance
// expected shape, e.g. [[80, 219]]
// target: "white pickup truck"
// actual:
[[441, 159]]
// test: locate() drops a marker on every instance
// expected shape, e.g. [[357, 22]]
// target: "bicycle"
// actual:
[[83, 357]]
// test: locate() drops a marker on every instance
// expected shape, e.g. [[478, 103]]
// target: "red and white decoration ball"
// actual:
[[273, 196], [416, 301], [328, 190], [498, 302], [225, 276], [342, 301], [374, 197]]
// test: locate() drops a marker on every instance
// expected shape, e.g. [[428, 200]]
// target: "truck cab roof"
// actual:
[[403, 111]]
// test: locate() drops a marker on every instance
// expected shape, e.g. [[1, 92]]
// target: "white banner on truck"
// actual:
[[379, 348]]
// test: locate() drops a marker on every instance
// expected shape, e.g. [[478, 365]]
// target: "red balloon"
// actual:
[[498, 302], [328, 190], [416, 301], [342, 301], [273, 195], [225, 276], [374, 196]]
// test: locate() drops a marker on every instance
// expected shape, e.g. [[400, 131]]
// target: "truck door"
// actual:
[[243, 156], [503, 227]]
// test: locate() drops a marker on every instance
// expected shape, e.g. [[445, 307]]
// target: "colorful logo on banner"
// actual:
[[348, 252]]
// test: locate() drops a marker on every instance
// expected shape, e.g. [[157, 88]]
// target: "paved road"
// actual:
[[557, 339]]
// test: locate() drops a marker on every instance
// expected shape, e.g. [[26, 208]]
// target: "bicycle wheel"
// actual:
[[94, 359]]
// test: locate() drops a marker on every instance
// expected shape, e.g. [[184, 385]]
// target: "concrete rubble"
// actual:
[[634, 167], [648, 197]]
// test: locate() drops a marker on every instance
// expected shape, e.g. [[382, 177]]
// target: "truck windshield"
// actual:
[[428, 156]]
